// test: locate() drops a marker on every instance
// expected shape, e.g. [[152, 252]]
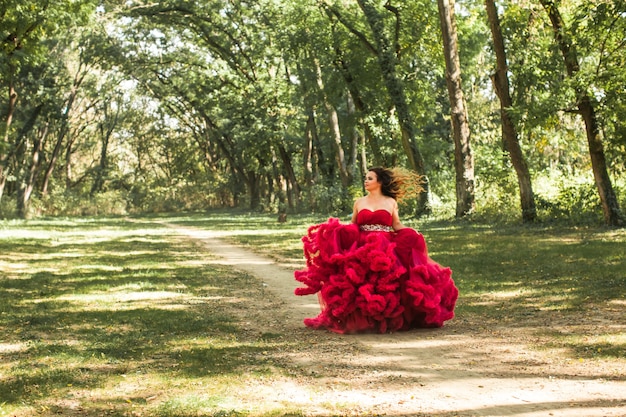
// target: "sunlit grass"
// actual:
[[123, 317], [111, 317], [511, 275]]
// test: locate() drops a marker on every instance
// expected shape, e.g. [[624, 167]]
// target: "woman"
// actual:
[[375, 275]]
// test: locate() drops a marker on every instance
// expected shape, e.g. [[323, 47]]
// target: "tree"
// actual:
[[463, 157], [601, 32], [279, 105], [500, 80], [219, 67], [387, 61], [335, 130], [584, 103], [29, 48]]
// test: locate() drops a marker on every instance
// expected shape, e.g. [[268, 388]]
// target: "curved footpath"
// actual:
[[462, 373]]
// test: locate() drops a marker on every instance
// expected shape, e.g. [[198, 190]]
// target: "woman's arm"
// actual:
[[355, 210], [395, 218]]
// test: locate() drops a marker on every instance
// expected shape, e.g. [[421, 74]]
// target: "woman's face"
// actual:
[[371, 181]]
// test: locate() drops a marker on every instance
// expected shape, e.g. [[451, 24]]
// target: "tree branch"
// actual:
[[331, 11], [396, 38]]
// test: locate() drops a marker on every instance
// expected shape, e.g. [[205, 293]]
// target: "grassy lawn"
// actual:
[[572, 279], [110, 317]]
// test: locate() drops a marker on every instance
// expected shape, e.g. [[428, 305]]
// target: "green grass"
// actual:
[[516, 276], [563, 268], [105, 316], [90, 306]]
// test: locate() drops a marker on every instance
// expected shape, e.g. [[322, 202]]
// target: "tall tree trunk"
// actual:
[[359, 104], [387, 62], [510, 139], [355, 137], [364, 166], [276, 190], [6, 127], [253, 181], [27, 184], [101, 171], [610, 205], [28, 166], [307, 156], [69, 150], [463, 158], [293, 189], [106, 131], [53, 159], [355, 103], [360, 109], [333, 124], [63, 129]]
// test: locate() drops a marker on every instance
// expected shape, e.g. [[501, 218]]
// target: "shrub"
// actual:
[[332, 199], [114, 202], [574, 203]]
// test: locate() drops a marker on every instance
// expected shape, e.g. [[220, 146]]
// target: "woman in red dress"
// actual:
[[374, 274]]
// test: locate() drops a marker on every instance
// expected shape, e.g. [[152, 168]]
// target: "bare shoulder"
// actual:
[[391, 203], [358, 203]]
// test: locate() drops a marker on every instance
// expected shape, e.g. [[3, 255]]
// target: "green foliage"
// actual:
[[561, 201], [113, 202], [207, 103], [331, 199], [575, 203], [8, 208], [186, 197], [497, 202], [600, 29]]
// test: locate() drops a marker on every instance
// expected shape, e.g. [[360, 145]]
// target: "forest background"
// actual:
[[512, 111]]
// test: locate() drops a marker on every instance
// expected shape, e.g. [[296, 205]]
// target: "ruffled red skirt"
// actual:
[[373, 281]]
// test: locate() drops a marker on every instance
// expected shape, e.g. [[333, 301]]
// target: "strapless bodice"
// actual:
[[381, 216]]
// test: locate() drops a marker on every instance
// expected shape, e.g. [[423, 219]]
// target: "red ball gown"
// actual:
[[371, 279]]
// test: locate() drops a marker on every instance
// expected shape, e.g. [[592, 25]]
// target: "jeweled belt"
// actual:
[[375, 228]]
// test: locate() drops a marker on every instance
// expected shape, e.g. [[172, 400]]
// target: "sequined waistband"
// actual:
[[375, 228]]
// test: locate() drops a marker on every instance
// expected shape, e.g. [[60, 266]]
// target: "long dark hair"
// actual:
[[398, 183]]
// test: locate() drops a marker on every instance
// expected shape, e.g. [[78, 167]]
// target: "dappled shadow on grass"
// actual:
[[122, 305], [92, 315], [533, 278], [231, 220], [565, 285], [563, 270], [504, 409], [519, 268], [554, 268]]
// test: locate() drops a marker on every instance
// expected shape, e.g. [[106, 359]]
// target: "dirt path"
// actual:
[[463, 369]]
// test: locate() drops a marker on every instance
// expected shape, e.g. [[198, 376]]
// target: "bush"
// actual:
[[113, 202], [575, 203], [8, 208], [497, 202], [332, 199]]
